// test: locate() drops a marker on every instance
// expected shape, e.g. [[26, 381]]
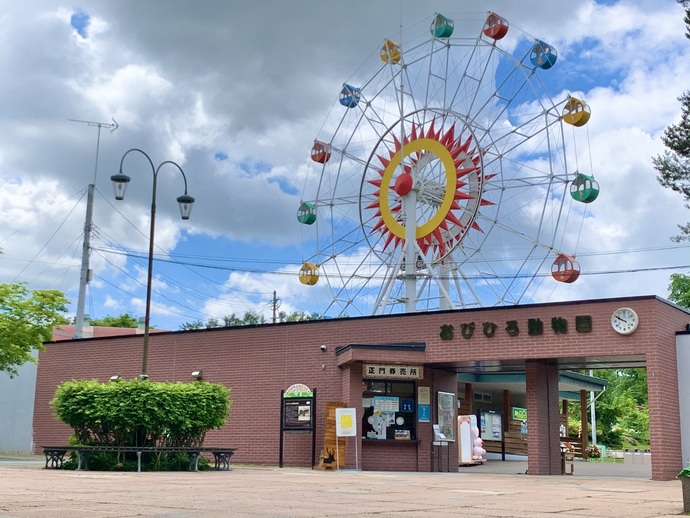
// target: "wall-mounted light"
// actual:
[[115, 378], [197, 375]]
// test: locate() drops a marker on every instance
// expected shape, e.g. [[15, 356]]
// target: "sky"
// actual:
[[235, 93]]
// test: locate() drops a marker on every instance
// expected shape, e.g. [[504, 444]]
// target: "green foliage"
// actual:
[[685, 472], [674, 165], [250, 318], [680, 289], [621, 411], [124, 320], [27, 319], [141, 413], [299, 316]]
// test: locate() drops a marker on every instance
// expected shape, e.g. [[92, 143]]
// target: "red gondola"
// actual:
[[565, 269], [496, 26], [320, 152]]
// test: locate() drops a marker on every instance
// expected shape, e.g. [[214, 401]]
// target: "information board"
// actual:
[[297, 413]]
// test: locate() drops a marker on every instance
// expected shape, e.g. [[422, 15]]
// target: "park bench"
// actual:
[[55, 455]]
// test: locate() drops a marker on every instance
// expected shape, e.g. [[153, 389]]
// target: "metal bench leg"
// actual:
[[193, 460], [222, 459], [83, 460]]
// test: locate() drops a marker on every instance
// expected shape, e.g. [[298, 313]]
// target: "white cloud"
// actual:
[[195, 79]]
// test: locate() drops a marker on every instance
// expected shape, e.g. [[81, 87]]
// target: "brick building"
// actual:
[[401, 364]]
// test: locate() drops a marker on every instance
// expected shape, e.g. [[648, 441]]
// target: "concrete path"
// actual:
[[496, 489]]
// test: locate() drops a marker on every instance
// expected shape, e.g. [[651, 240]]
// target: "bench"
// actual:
[[55, 455]]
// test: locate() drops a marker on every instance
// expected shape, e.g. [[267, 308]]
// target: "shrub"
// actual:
[[141, 413]]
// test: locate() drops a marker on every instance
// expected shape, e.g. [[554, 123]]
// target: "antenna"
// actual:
[[85, 276], [111, 126]]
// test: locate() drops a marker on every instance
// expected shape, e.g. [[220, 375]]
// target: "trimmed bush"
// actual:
[[141, 413]]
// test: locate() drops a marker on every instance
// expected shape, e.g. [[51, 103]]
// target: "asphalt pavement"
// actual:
[[494, 489]]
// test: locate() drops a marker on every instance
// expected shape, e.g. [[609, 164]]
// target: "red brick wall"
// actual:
[[258, 362], [543, 445]]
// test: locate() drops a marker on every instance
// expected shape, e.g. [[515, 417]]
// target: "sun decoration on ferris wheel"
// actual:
[[444, 172]]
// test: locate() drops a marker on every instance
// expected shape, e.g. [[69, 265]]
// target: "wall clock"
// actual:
[[624, 321]]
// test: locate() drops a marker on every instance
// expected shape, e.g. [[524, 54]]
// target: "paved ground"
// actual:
[[495, 489]]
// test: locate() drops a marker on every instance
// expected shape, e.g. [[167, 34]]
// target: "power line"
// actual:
[[290, 273]]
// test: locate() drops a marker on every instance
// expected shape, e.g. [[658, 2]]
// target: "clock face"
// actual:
[[624, 321]]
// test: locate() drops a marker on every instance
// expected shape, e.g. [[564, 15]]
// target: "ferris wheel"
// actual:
[[444, 178]]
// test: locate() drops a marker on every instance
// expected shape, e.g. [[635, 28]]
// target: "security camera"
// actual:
[[323, 348]]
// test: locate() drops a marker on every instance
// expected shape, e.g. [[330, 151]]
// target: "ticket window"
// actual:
[[388, 409]]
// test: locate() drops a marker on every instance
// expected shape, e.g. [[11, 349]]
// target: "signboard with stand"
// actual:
[[345, 426], [298, 415]]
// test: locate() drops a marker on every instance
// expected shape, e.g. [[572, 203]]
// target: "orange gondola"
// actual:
[[309, 274], [565, 269], [320, 152], [496, 27]]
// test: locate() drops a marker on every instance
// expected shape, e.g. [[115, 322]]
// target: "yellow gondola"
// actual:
[[309, 274], [576, 112], [391, 52]]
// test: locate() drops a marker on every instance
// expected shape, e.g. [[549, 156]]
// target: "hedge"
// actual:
[[141, 413]]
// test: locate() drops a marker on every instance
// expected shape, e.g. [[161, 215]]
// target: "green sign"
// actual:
[[519, 414], [298, 390]]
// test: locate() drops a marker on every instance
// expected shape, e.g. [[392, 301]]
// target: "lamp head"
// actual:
[[186, 201], [120, 182]]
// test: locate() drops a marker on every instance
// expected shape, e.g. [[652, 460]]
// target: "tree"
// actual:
[[124, 320], [680, 289], [299, 316], [674, 165], [27, 319], [250, 318], [621, 410]]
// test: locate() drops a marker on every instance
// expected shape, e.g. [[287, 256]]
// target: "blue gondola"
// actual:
[[543, 55], [349, 96]]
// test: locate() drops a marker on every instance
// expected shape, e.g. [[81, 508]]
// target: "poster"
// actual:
[[446, 414], [345, 422], [424, 413]]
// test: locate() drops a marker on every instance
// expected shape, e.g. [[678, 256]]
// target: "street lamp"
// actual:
[[120, 182]]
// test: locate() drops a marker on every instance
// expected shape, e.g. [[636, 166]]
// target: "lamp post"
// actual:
[[120, 182]]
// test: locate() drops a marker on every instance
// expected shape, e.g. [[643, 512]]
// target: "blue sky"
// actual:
[[238, 105]]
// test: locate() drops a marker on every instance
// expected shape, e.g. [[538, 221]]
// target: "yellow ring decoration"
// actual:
[[446, 159]]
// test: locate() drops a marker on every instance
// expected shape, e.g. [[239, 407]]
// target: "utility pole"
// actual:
[[593, 411], [85, 276], [276, 305]]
